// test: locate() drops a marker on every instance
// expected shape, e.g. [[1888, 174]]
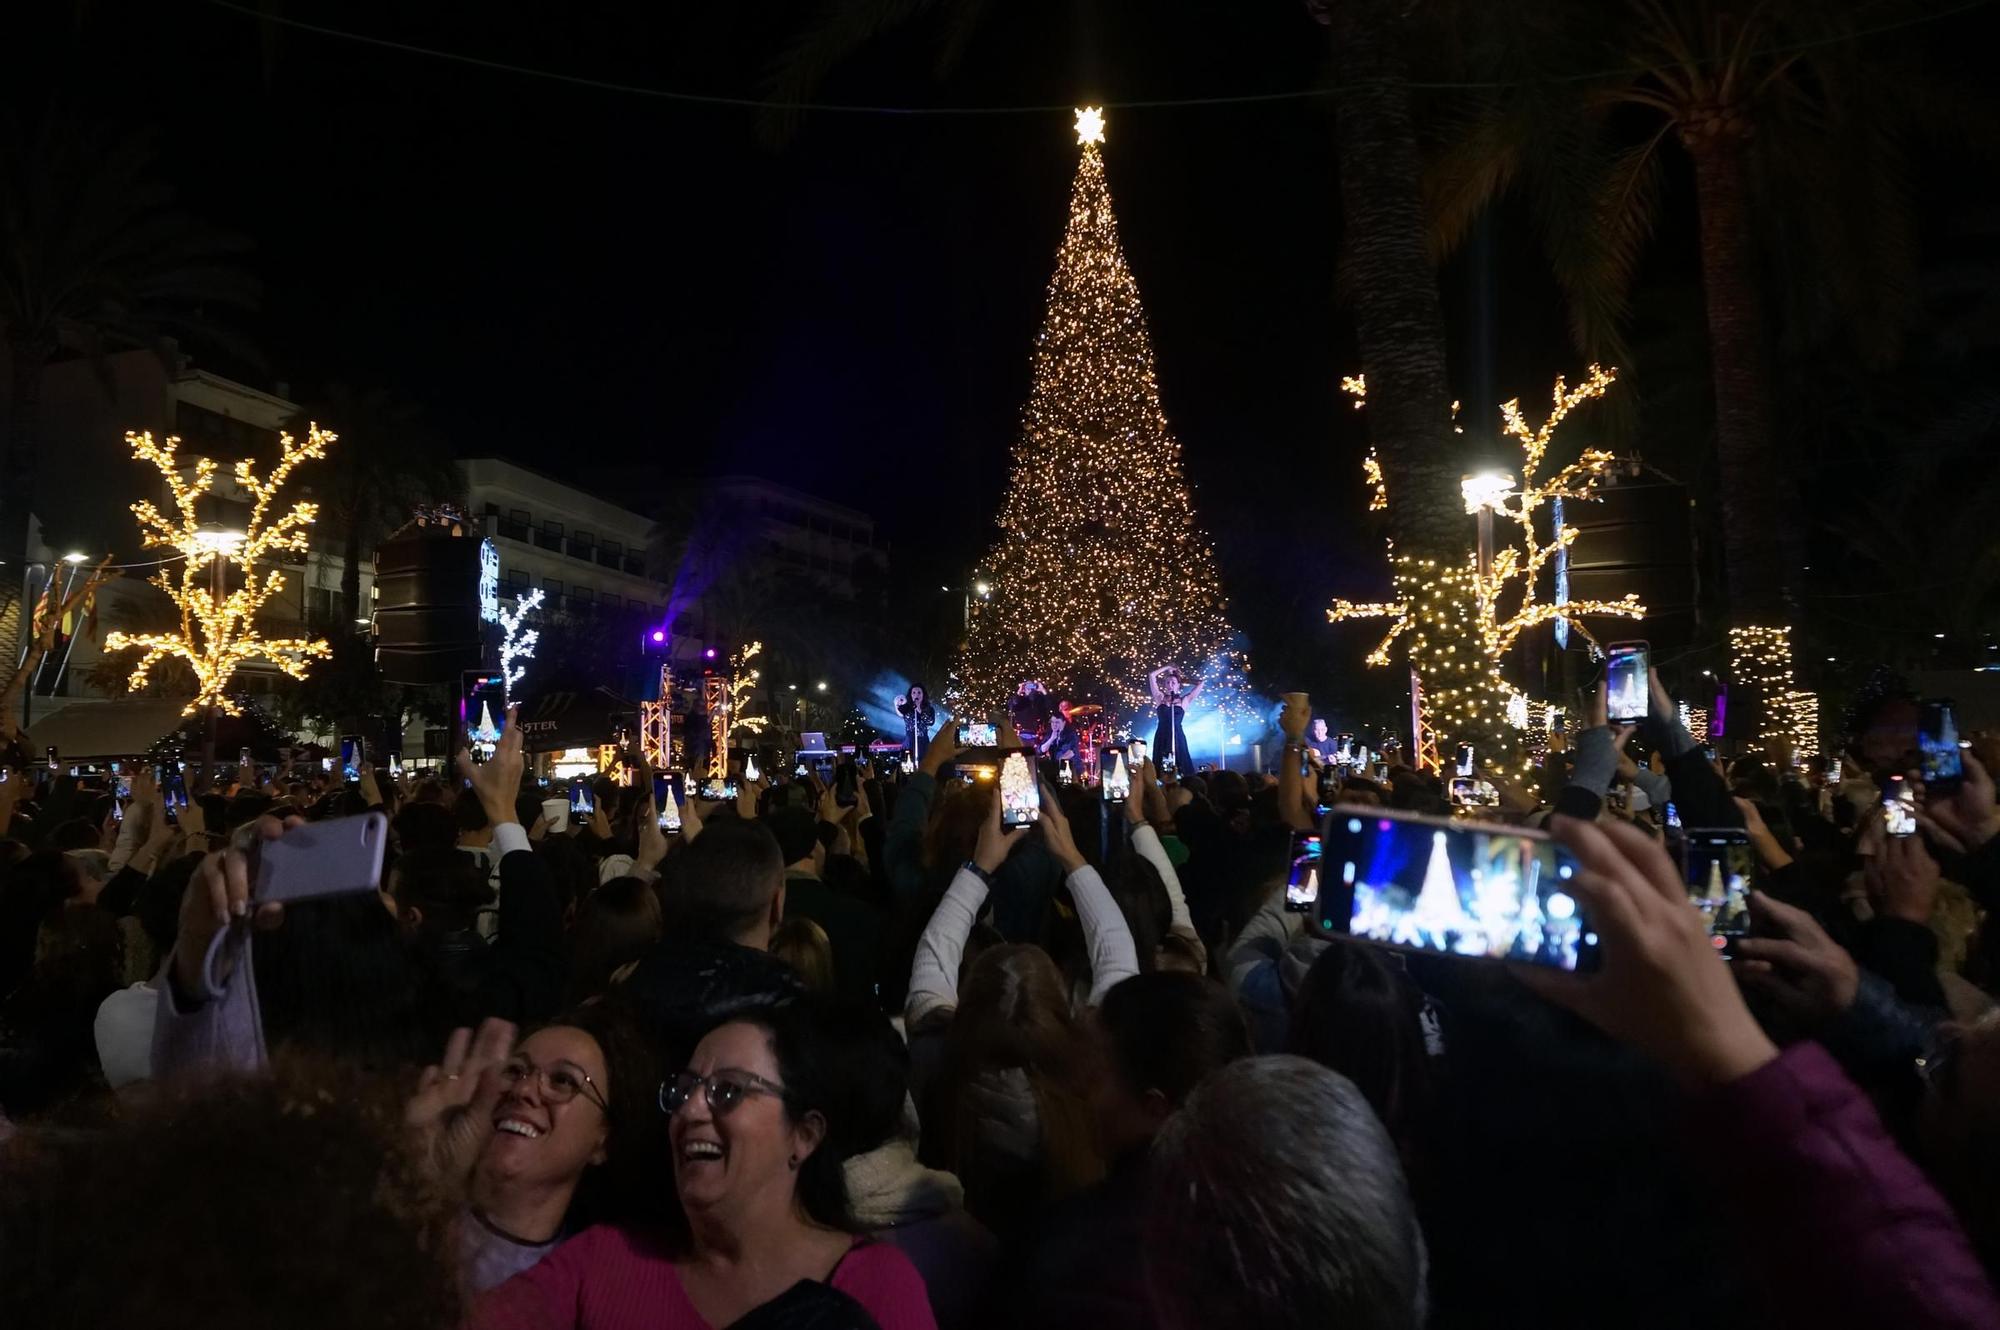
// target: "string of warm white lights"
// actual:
[[1760, 662], [1101, 572], [219, 634], [1451, 620], [742, 689]]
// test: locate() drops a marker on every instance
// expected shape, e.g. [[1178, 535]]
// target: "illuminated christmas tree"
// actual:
[[1101, 573]]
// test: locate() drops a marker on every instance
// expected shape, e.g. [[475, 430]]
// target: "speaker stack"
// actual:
[[426, 619]]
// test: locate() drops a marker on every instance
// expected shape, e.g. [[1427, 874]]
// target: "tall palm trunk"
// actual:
[[1761, 542], [18, 473], [1397, 317]]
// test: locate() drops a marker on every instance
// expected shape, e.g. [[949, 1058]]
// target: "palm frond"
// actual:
[[1480, 156]]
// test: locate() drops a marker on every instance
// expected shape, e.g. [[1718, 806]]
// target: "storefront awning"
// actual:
[[562, 719], [120, 727]]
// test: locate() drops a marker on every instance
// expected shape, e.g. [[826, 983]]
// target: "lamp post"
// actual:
[[1484, 493], [216, 543]]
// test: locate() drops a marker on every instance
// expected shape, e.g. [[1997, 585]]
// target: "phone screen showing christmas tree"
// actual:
[[1020, 796]]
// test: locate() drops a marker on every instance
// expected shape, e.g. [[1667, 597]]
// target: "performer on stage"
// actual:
[[1061, 742], [918, 720], [1170, 736], [1029, 710]]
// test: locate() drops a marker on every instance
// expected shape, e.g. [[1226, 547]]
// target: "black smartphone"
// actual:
[[482, 710], [1465, 759], [1329, 785], [352, 754], [845, 780], [1937, 739], [1628, 690], [1020, 790], [1899, 807], [1116, 784], [720, 791], [52, 759], [1302, 887], [581, 804], [1470, 889], [1721, 867]]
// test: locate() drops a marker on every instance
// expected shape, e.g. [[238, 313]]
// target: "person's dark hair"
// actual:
[[527, 808], [822, 1056], [1170, 1032], [1358, 1016], [423, 825], [723, 882], [340, 978], [1286, 1159], [802, 944], [796, 830], [79, 833], [626, 1188], [1142, 899], [616, 925], [468, 813], [451, 887], [272, 1173]]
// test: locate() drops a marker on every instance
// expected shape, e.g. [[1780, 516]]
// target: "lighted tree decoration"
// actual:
[[218, 633], [1458, 622], [1101, 572], [742, 691], [515, 644]]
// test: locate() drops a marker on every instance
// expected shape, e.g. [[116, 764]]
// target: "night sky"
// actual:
[[583, 279]]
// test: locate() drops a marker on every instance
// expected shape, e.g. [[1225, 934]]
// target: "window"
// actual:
[[552, 528], [611, 546], [519, 517], [553, 586], [583, 537], [516, 580], [609, 600], [582, 595]]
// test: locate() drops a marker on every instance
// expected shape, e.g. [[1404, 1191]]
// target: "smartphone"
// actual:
[[338, 857], [975, 735], [718, 791], [121, 781], [1899, 807], [1116, 784], [845, 781], [1833, 771], [1673, 817], [1020, 794], [1343, 751], [1471, 889], [243, 757], [799, 771], [1302, 887], [1135, 753], [1464, 790], [1329, 785], [1721, 866], [750, 771], [52, 759], [1465, 759], [326, 764], [1628, 689], [1066, 773], [580, 802], [1169, 766], [1937, 739], [352, 754], [396, 766], [482, 710], [665, 805]]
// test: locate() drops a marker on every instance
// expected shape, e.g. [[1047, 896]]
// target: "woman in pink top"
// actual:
[[758, 1154]]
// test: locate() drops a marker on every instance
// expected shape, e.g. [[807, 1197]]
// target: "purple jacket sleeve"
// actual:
[[1847, 1231]]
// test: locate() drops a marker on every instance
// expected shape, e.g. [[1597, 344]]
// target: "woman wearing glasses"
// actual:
[[757, 1127]]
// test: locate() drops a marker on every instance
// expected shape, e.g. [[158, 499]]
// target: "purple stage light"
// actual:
[[659, 634], [710, 653]]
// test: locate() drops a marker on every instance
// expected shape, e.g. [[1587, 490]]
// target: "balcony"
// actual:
[[548, 540], [578, 549], [511, 530], [610, 559]]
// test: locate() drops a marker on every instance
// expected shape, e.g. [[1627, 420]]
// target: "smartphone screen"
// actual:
[[1465, 759], [243, 757], [1117, 782], [845, 781], [1464, 790], [482, 710], [1302, 887], [1937, 738], [750, 771], [1461, 888], [1627, 687], [350, 758], [1020, 796], [1721, 866], [1899, 807], [976, 735], [1329, 785], [665, 803], [580, 802], [396, 764], [1343, 751], [718, 791]]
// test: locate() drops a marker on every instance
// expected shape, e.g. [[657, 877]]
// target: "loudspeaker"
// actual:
[[426, 619], [1637, 537]]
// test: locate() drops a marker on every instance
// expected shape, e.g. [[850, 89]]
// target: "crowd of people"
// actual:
[[855, 1053]]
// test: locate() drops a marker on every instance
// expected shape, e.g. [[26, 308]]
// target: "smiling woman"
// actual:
[[760, 1127]]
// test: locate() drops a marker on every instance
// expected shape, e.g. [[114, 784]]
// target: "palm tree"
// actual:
[[1791, 118], [389, 463], [93, 257]]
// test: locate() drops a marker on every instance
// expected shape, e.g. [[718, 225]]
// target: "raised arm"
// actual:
[[1153, 686], [1107, 938], [1194, 692], [934, 976]]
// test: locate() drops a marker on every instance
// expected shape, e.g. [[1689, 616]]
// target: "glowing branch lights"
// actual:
[[218, 632], [1760, 659], [1458, 623], [742, 688], [515, 644]]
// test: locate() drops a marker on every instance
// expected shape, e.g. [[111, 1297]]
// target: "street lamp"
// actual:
[[821, 685], [216, 543], [1484, 492]]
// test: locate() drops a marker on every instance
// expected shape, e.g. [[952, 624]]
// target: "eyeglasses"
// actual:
[[725, 1090], [560, 1083]]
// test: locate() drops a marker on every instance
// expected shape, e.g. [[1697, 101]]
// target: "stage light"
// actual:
[[74, 557], [710, 653]]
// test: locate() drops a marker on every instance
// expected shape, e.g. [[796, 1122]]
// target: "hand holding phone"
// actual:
[[1628, 692]]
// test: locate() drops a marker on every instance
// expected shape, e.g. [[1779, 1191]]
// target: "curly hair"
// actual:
[[279, 1199]]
